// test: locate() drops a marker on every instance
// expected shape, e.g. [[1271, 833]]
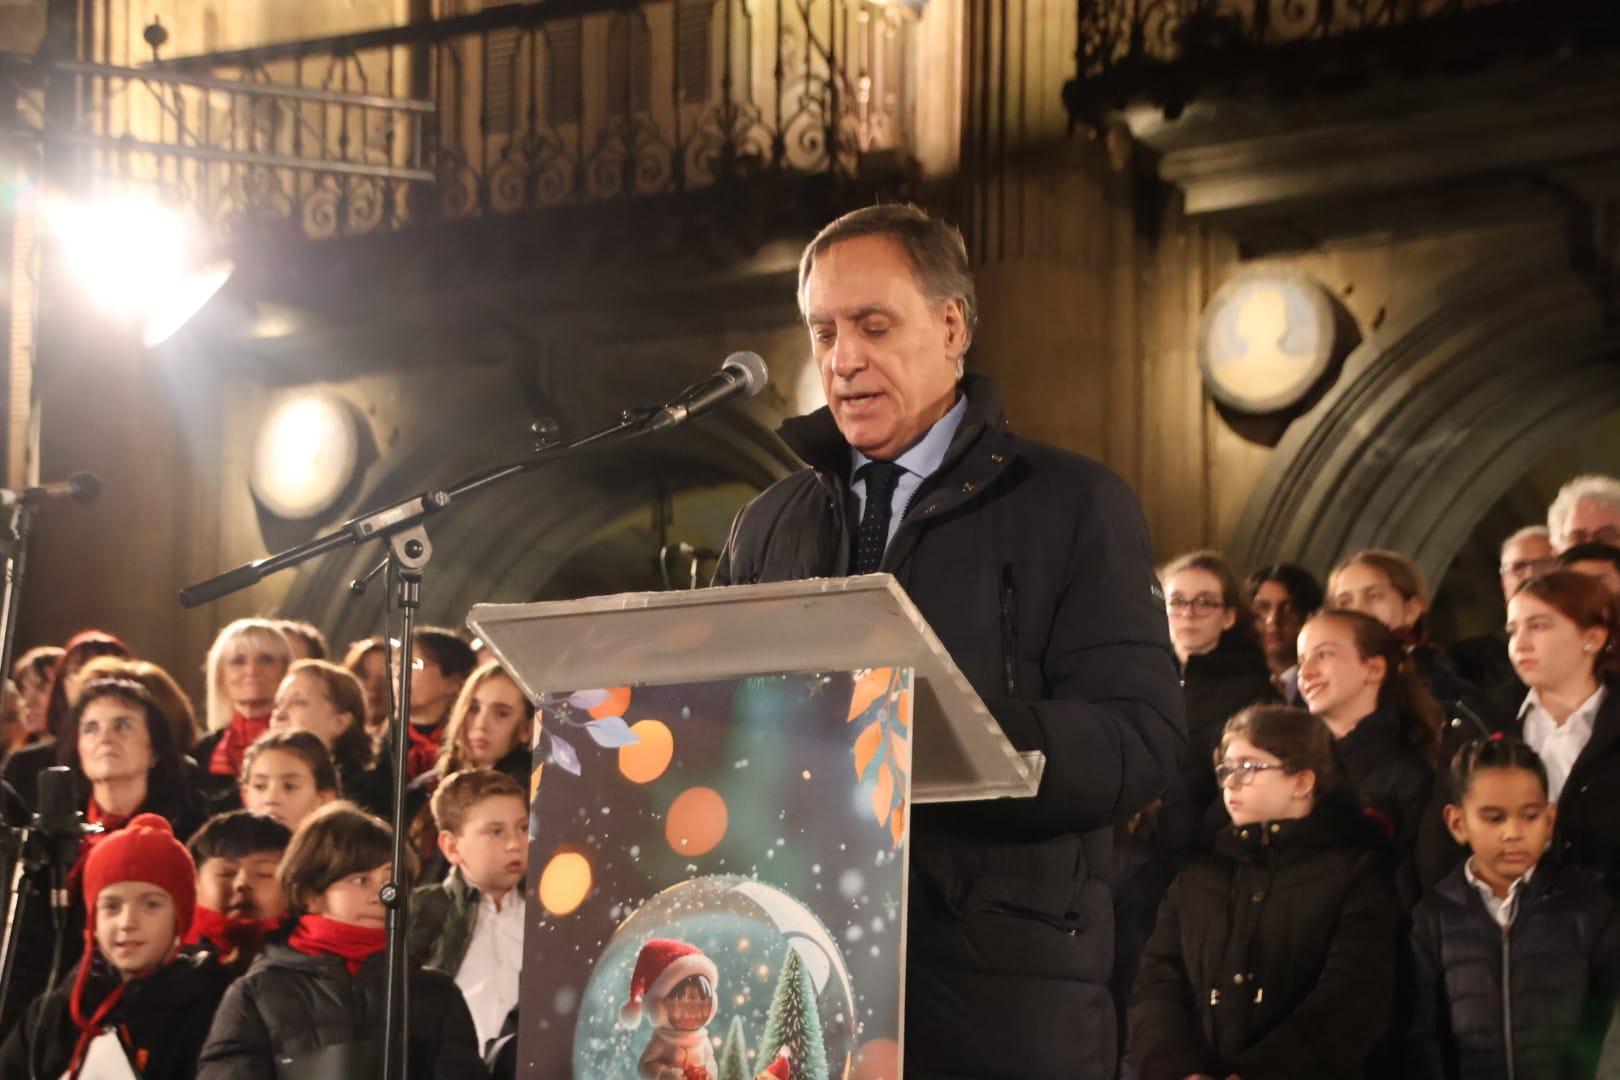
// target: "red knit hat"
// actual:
[[143, 850], [662, 965]]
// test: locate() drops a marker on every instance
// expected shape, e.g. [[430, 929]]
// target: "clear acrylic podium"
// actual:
[[722, 787]]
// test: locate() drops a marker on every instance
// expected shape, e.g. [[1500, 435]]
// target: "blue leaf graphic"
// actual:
[[587, 699], [612, 732], [563, 756]]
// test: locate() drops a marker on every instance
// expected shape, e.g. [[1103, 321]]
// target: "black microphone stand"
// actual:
[[14, 556], [409, 550]]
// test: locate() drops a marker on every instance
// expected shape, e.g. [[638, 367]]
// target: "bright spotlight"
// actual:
[[305, 454], [138, 260]]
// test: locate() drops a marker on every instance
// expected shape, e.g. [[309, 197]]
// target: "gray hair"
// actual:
[[1592, 486], [1529, 532], [938, 257]]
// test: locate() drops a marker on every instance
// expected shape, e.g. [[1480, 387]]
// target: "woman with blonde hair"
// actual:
[[246, 663]]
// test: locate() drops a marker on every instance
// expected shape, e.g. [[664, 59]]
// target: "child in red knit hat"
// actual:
[[137, 1006], [313, 1005]]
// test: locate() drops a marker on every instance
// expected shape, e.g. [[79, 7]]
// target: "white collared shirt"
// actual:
[[489, 972], [1501, 910], [1559, 744]]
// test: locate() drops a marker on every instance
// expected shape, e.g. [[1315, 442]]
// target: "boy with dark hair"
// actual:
[[470, 926], [239, 898], [443, 660]]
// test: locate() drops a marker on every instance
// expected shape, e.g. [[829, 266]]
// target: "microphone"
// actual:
[[80, 487], [61, 827], [743, 374]]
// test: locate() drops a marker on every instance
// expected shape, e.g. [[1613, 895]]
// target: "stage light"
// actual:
[[305, 454], [138, 259]]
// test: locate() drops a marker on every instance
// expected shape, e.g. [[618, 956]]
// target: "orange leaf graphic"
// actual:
[[866, 745], [900, 752], [871, 686], [883, 794], [897, 823], [903, 709]]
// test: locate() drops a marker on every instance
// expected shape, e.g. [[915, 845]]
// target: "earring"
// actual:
[[1588, 646]]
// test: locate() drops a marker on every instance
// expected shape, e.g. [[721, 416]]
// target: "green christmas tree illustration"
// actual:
[[734, 1053], [794, 1022]]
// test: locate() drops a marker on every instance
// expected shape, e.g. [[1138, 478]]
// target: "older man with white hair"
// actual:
[[1585, 511]]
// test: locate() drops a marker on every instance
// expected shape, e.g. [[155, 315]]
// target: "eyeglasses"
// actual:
[[1202, 604], [1522, 567], [1245, 771], [1603, 534]]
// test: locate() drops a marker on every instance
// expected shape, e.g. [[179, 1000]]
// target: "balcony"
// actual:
[[567, 104], [1169, 53]]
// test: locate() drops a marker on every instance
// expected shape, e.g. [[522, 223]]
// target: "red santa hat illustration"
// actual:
[[662, 965], [780, 1069]]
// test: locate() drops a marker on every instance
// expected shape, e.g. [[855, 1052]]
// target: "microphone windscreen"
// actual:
[[86, 487], [56, 797], [752, 368]]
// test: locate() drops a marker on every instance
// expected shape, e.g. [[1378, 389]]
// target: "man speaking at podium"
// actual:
[[1033, 567]]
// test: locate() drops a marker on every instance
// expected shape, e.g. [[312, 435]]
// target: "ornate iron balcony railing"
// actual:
[[1168, 52], [570, 102]]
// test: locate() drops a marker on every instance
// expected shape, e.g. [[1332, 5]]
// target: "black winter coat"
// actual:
[[1588, 832], [1561, 965], [1216, 685], [1390, 778], [162, 1020], [1274, 957], [1033, 567], [290, 1005]]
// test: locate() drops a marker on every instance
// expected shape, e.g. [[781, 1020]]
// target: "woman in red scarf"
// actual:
[[121, 749], [246, 663], [313, 1005]]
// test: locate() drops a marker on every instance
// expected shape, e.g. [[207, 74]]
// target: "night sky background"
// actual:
[[780, 752]]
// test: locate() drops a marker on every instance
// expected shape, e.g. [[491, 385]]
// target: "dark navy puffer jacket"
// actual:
[[1559, 961]]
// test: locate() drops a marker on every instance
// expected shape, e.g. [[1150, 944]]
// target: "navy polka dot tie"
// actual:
[[880, 477]]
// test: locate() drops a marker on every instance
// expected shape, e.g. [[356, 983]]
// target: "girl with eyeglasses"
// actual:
[[1223, 668], [1274, 956]]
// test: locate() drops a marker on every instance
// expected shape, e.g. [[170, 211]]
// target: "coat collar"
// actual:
[[1336, 821]]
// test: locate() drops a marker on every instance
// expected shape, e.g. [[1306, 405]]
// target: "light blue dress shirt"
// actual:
[[917, 465]]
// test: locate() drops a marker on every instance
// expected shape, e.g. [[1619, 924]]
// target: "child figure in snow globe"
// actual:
[[677, 985]]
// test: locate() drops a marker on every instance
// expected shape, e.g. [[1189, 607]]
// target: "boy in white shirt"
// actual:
[[470, 926]]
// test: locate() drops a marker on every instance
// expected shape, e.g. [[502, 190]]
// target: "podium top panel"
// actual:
[[824, 624]]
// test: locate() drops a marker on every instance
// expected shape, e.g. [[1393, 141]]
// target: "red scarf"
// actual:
[[236, 738], [424, 752], [230, 937], [317, 935]]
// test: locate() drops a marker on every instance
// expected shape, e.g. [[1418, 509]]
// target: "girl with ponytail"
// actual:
[[1355, 676]]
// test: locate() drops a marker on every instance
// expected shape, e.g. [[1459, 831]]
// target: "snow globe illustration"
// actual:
[[778, 983]]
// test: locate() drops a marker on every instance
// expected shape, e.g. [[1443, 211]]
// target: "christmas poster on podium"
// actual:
[[720, 870]]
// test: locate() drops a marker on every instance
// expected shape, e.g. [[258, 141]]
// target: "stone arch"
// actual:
[[1435, 416]]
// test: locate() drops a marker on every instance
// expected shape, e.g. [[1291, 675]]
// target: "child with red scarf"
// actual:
[[137, 1008], [313, 1005], [239, 897]]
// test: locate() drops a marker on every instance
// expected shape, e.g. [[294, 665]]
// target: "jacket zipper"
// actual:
[[1507, 995], [1009, 631]]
